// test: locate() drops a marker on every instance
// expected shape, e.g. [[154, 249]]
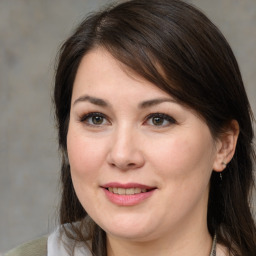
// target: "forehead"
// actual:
[[100, 72]]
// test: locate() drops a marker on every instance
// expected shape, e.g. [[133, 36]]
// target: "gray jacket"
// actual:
[[36, 247]]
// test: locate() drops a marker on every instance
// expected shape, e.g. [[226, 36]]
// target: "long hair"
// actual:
[[176, 47]]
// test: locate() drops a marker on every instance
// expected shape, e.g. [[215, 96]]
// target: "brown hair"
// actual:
[[199, 69]]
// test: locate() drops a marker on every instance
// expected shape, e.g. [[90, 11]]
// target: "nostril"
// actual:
[[124, 166], [131, 164]]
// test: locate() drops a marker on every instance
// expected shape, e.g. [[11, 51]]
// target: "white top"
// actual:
[[56, 245]]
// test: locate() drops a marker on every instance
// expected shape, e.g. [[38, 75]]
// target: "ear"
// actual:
[[226, 146]]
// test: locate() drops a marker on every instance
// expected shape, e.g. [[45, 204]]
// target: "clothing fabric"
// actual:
[[56, 245], [36, 247], [50, 246]]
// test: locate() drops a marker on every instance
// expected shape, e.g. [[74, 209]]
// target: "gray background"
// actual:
[[30, 34]]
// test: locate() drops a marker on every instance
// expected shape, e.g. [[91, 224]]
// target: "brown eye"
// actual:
[[94, 119], [97, 120], [157, 120], [160, 120]]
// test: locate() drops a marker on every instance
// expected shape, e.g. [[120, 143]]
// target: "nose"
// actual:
[[125, 151]]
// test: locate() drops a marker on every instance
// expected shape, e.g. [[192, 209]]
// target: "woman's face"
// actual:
[[140, 162]]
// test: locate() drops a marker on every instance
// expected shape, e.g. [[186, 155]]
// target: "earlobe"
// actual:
[[226, 146]]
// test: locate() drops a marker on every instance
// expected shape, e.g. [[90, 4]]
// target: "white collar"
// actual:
[[56, 245]]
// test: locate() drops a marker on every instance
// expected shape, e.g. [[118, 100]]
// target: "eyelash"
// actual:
[[85, 118], [163, 117]]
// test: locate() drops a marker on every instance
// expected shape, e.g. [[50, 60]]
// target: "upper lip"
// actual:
[[127, 185]]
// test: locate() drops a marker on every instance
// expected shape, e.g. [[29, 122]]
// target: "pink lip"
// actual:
[[127, 200], [126, 185]]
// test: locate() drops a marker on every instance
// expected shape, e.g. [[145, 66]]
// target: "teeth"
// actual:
[[121, 191], [137, 190], [131, 191], [127, 191]]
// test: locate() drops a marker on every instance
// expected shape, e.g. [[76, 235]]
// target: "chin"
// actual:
[[130, 235], [131, 230]]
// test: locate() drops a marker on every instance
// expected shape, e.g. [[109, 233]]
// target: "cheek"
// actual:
[[185, 166], [84, 156], [184, 157]]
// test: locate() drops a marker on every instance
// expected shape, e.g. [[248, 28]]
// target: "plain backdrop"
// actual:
[[31, 32]]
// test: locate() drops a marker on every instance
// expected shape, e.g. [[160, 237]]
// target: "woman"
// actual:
[[156, 137]]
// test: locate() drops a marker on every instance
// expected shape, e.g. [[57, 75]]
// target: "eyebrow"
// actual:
[[153, 102], [93, 100]]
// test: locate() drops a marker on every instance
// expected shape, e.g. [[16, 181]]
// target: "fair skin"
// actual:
[[126, 136]]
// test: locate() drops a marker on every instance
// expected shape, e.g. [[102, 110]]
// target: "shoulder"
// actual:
[[36, 247], [57, 243]]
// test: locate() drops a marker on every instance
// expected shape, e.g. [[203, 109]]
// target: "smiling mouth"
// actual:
[[127, 191], [127, 194]]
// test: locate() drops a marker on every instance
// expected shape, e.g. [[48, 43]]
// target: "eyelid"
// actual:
[[166, 117], [83, 118]]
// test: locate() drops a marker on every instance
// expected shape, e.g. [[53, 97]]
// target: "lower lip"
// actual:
[[127, 200]]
